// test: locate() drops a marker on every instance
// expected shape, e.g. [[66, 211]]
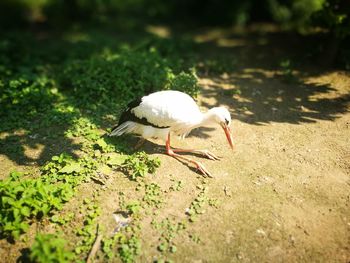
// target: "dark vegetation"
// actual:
[[67, 68]]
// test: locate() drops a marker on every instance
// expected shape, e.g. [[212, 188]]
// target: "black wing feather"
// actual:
[[127, 115]]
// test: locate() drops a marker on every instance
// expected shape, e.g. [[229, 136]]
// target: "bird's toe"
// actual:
[[210, 155], [203, 170]]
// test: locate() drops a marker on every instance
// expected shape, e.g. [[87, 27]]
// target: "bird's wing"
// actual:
[[168, 108]]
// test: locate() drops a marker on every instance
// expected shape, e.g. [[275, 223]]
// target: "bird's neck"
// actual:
[[208, 119]]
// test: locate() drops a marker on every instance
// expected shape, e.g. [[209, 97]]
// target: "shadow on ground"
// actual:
[[264, 99]]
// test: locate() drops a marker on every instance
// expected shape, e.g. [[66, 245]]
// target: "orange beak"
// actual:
[[228, 135]]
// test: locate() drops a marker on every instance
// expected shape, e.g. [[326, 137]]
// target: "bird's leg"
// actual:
[[198, 165], [139, 143], [206, 153]]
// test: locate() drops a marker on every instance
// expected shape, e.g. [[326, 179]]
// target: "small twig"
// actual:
[[98, 180], [227, 191], [95, 247]]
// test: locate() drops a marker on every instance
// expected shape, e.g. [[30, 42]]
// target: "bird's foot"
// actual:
[[198, 165], [209, 155], [202, 169]]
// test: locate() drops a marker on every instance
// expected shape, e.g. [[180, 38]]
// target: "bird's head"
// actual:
[[222, 116]]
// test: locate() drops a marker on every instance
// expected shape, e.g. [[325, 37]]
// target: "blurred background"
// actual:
[[330, 17], [299, 14]]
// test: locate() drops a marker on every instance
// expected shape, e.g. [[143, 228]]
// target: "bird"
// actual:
[[162, 113]]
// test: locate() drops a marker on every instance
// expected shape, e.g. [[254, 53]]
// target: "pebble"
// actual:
[[261, 232]]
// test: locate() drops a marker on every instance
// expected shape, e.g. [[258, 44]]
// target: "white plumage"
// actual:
[[168, 110], [161, 113]]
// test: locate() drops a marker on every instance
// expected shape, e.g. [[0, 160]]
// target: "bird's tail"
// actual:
[[126, 127]]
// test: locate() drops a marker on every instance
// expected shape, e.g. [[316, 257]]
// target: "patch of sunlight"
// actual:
[[8, 166], [109, 55], [331, 84], [74, 37], [216, 33], [211, 83], [264, 72], [34, 151], [159, 31], [210, 35], [257, 80], [264, 28], [227, 86], [19, 132], [206, 82], [247, 76], [3, 135], [242, 99], [225, 42], [248, 112]]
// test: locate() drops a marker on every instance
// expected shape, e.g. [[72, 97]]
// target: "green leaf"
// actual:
[[70, 168], [104, 169], [173, 249], [15, 175], [24, 226], [55, 219], [116, 160], [101, 142], [25, 211], [162, 247]]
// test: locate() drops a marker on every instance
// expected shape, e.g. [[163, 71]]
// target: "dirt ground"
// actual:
[[283, 193], [283, 190]]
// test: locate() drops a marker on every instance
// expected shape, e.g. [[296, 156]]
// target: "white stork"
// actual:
[[164, 112]]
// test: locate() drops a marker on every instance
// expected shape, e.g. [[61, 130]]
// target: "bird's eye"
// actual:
[[227, 122]]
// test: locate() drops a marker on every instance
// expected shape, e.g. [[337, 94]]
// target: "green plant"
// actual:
[[231, 92], [87, 231], [295, 14], [133, 207], [177, 186], [287, 71], [63, 219], [25, 199], [130, 73], [185, 82], [129, 248], [139, 164], [64, 168], [168, 231], [82, 127], [196, 239], [48, 248], [153, 195], [198, 204], [334, 16], [109, 244]]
